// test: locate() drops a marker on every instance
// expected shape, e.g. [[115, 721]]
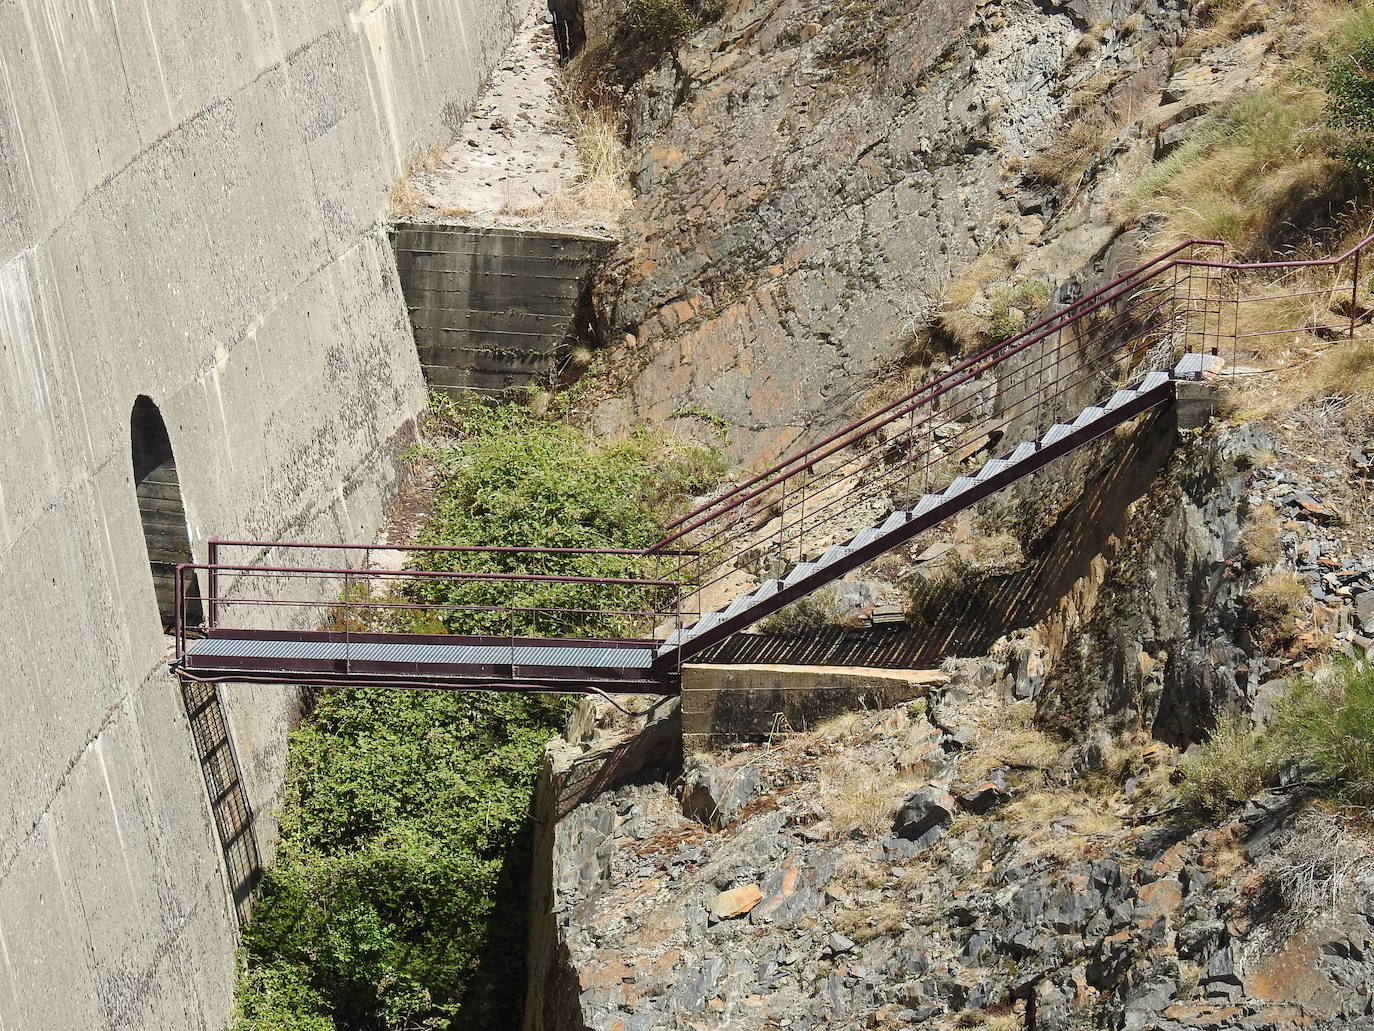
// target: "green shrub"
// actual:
[[1330, 722], [515, 480], [397, 898], [1011, 306], [805, 615], [1233, 765], [1347, 65], [1324, 726], [670, 20]]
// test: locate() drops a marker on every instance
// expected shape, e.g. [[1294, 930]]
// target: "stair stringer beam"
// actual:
[[1043, 456]]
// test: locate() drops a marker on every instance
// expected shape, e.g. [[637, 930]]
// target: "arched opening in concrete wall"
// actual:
[[161, 510], [168, 540]]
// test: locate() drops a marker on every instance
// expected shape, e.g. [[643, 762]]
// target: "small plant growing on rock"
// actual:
[[1276, 604], [1233, 765], [1260, 542], [805, 615], [670, 20], [1328, 719], [1348, 69], [1012, 305]]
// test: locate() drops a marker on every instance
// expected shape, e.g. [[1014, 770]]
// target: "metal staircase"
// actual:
[[315, 613], [902, 525]]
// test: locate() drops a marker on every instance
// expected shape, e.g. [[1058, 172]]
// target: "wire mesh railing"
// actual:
[[981, 410]]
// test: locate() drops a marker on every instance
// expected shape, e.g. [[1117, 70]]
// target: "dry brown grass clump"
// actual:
[[1011, 740], [1276, 604], [604, 183], [858, 796], [1260, 542], [406, 199], [1234, 764], [1067, 155]]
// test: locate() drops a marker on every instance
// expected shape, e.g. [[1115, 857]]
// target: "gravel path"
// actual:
[[513, 162]]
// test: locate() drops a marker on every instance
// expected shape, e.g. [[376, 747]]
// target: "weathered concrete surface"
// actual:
[[190, 206], [491, 307], [726, 704]]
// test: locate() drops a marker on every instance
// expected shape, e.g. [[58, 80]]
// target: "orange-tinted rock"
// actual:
[[735, 902]]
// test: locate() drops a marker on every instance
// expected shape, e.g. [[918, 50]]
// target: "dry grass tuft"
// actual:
[[406, 199], [1260, 542], [604, 183], [1232, 766], [1068, 154], [858, 797], [1276, 604], [1311, 873]]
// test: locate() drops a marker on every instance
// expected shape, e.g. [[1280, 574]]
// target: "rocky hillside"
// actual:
[[1042, 843], [815, 180], [942, 866], [1140, 801]]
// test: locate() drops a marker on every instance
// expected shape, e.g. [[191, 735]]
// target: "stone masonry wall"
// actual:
[[191, 197]]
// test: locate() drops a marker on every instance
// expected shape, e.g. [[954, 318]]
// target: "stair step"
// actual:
[[799, 572], [894, 521], [1022, 452], [992, 468], [1088, 416], [1153, 380], [737, 606], [834, 554], [1195, 362], [960, 485], [1120, 398], [705, 623], [765, 591], [676, 638], [866, 537], [1057, 432], [926, 503]]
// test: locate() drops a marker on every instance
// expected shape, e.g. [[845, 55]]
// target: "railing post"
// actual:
[[1354, 293], [179, 605], [212, 582], [801, 516], [911, 443], [347, 616]]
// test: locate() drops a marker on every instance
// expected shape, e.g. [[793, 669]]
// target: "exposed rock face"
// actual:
[[812, 176], [1063, 909], [1148, 637]]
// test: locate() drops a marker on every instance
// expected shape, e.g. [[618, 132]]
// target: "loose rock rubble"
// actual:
[[1002, 881]]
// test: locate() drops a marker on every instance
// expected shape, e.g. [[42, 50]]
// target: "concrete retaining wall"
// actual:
[[491, 307], [726, 704], [191, 204]]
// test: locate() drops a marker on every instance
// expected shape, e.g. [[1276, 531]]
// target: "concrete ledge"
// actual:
[[726, 704], [1194, 404]]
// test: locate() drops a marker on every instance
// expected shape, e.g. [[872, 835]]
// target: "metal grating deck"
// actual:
[[391, 660], [424, 654]]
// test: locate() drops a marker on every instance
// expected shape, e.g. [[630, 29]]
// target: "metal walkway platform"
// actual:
[[423, 661]]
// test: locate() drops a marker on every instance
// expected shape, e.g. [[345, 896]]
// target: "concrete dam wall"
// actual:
[[191, 207]]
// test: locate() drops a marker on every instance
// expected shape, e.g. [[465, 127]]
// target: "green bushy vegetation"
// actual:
[[512, 479], [1323, 728], [1347, 73], [804, 616], [670, 20], [1292, 150], [397, 898]]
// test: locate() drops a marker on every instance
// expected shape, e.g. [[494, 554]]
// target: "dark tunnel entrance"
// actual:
[[162, 511]]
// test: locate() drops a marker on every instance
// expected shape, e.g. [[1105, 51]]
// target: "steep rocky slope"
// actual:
[[814, 180], [1009, 852]]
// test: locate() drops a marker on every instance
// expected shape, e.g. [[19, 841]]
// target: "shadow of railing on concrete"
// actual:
[[229, 806]]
